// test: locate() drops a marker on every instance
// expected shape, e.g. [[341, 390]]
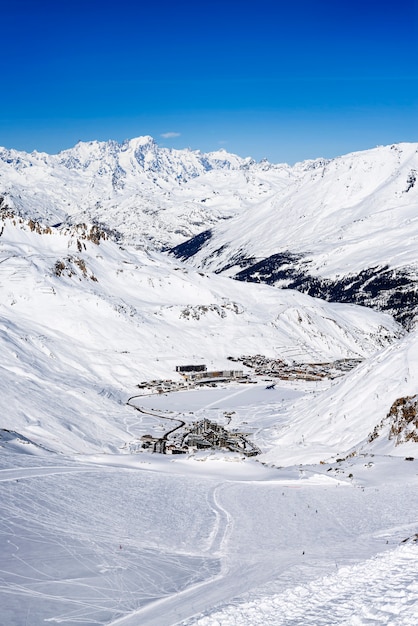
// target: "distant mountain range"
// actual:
[[343, 229], [151, 196]]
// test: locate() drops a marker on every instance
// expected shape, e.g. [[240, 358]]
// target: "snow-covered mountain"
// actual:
[[372, 410], [319, 223], [96, 528], [344, 229], [148, 194], [82, 315]]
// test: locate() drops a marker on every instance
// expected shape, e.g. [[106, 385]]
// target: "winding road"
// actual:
[[157, 415]]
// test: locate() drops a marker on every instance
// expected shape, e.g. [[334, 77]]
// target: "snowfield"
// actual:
[[381, 590], [131, 540], [321, 527]]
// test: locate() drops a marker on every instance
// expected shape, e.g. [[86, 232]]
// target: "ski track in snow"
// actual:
[[16, 474], [382, 590], [334, 595], [155, 548], [176, 607], [69, 558], [224, 399]]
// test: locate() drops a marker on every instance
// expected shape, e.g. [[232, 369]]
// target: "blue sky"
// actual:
[[281, 80]]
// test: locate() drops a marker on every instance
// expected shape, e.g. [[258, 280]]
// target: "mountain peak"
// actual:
[[142, 140]]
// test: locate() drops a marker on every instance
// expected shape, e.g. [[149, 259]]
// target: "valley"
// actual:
[[276, 482]]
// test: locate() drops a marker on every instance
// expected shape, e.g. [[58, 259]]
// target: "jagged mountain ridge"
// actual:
[[152, 196], [343, 230]]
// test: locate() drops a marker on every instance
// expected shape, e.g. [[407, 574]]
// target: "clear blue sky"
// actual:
[[266, 78]]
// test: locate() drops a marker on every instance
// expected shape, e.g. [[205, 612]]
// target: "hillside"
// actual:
[[356, 414], [85, 318], [345, 230]]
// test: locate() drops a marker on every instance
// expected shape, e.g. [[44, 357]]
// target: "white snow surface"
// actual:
[[382, 590], [115, 317], [339, 420], [128, 540], [320, 529], [343, 215]]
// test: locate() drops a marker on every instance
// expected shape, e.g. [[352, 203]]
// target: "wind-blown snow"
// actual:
[[381, 590]]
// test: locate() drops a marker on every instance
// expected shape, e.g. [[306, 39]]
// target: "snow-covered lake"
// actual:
[[225, 398]]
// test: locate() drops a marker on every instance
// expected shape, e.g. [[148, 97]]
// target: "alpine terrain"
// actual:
[[343, 230], [209, 388]]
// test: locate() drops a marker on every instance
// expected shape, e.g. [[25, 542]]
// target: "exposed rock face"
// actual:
[[404, 416], [402, 421]]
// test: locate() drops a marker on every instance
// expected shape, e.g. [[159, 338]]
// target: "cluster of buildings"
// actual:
[[192, 375], [200, 374], [296, 371], [201, 435]]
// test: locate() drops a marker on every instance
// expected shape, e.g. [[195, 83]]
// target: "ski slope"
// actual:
[[320, 528], [128, 540]]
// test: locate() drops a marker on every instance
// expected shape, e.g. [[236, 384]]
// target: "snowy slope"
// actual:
[[344, 229], [382, 590], [341, 420], [344, 214], [117, 540], [83, 318]]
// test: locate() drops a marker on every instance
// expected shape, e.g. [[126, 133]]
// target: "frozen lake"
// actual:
[[228, 397]]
